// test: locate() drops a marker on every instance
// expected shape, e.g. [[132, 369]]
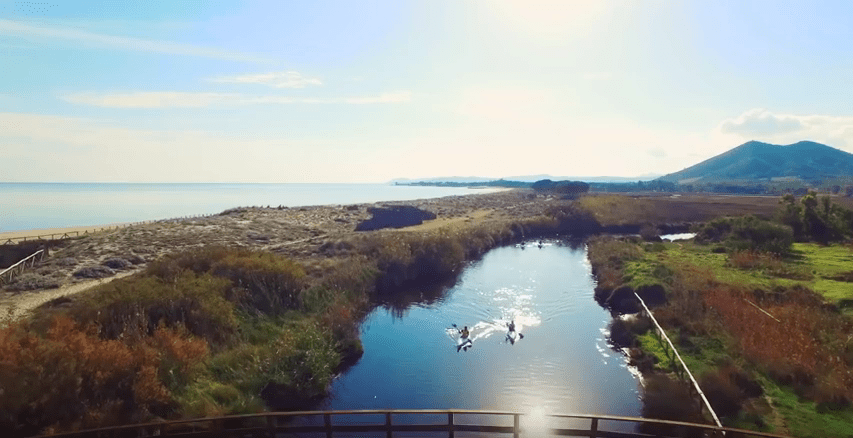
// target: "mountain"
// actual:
[[755, 162]]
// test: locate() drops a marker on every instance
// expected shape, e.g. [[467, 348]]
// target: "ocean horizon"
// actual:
[[28, 206]]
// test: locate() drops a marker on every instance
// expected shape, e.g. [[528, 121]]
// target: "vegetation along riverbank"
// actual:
[[760, 310], [259, 308]]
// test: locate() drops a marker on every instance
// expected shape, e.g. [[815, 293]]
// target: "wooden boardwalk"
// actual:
[[420, 423]]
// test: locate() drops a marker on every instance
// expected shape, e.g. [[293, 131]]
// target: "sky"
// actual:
[[368, 91]]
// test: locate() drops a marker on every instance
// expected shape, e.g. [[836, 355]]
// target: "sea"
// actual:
[[28, 206]]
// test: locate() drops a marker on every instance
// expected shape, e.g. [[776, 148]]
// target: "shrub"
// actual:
[[261, 282], [71, 378], [198, 260], [134, 259], [608, 255], [66, 261], [272, 283], [667, 399], [133, 307], [94, 272], [624, 330], [650, 233], [746, 233], [726, 389], [116, 263], [30, 281], [300, 361]]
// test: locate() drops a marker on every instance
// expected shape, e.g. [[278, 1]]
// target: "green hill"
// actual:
[[756, 162]]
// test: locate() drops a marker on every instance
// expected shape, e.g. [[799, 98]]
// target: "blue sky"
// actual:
[[340, 91]]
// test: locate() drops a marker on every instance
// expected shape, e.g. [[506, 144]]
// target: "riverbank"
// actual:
[[768, 337], [230, 313], [251, 307]]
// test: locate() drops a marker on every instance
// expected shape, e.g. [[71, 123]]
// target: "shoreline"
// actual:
[[32, 234], [34, 230], [296, 232]]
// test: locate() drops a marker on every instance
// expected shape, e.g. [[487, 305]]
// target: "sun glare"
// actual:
[[549, 18], [535, 423]]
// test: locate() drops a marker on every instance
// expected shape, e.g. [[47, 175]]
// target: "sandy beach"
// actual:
[[58, 233], [298, 232]]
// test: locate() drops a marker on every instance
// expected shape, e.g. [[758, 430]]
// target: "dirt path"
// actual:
[[14, 306]]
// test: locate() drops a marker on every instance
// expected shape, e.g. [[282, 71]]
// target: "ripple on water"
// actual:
[[563, 363]]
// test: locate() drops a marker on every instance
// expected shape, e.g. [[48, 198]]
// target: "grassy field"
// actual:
[[819, 268], [802, 357], [666, 208]]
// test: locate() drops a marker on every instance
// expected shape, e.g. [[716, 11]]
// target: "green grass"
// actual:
[[803, 417], [707, 351], [706, 354], [822, 261], [827, 262]]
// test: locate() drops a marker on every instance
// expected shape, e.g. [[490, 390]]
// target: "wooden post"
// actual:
[[271, 426], [593, 428], [515, 427], [450, 431], [389, 432], [218, 427], [327, 420]]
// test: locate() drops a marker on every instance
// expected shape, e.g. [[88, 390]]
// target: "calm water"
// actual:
[[562, 365], [25, 206]]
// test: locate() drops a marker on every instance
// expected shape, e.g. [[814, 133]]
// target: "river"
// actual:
[[563, 363]]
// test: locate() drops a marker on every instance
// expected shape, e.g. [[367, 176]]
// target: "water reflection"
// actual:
[[562, 364], [424, 295], [677, 236]]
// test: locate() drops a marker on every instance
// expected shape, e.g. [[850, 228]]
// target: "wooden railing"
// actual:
[[96, 229], [389, 422], [6, 274], [695, 385]]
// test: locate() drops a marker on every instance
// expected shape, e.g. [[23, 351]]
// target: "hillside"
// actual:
[[756, 162]]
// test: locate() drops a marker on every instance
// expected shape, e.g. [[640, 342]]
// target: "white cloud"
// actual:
[[164, 99], [764, 125], [657, 152], [761, 122], [283, 79], [18, 29], [176, 99]]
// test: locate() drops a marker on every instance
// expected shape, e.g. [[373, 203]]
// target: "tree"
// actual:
[[791, 215]]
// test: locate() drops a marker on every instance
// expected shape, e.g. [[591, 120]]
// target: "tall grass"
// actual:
[[219, 330], [132, 308], [200, 332], [608, 256], [801, 350], [808, 349]]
